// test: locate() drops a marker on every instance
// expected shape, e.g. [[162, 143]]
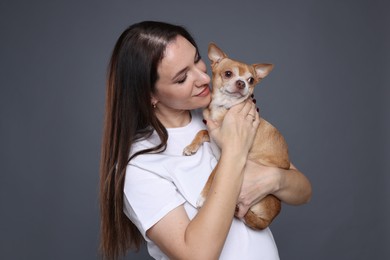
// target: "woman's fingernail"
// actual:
[[257, 109], [252, 96], [254, 100], [204, 121]]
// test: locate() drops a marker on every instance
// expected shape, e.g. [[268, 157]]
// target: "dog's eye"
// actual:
[[251, 80], [228, 74]]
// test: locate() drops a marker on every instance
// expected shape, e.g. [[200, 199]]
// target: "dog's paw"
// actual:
[[200, 201], [190, 150]]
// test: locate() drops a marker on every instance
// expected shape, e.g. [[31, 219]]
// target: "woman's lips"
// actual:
[[204, 92]]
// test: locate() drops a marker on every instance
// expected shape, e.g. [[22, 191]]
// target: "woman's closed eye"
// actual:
[[182, 79]]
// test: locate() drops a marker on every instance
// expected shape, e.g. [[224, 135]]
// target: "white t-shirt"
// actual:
[[155, 184]]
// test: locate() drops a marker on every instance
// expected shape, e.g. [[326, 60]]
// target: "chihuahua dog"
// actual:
[[233, 82]]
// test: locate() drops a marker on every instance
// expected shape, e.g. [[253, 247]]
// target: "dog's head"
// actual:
[[233, 79]]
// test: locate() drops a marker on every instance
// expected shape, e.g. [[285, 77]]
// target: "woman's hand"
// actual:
[[290, 186], [238, 128], [259, 181]]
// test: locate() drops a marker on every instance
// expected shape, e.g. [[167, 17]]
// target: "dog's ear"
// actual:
[[262, 70], [215, 54]]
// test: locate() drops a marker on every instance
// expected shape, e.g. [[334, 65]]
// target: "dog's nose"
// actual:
[[240, 84]]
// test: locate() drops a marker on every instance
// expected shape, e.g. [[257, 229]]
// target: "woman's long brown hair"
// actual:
[[129, 116]]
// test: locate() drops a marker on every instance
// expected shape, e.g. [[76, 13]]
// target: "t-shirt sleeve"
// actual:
[[148, 197]]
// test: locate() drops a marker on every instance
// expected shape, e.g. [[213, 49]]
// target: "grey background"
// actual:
[[328, 94]]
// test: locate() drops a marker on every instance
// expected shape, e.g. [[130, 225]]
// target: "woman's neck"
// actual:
[[173, 118]]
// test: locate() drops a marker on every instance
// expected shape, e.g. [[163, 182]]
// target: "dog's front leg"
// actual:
[[201, 137], [206, 188]]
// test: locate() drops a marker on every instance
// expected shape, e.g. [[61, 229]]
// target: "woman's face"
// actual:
[[183, 83]]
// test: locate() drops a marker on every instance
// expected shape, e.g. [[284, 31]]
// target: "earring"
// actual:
[[154, 105]]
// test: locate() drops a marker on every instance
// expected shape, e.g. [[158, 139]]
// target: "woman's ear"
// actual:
[[154, 102]]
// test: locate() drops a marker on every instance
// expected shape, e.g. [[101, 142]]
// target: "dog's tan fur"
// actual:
[[269, 147]]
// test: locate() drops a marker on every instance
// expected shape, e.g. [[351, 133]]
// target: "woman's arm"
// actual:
[[294, 187], [203, 237], [290, 186]]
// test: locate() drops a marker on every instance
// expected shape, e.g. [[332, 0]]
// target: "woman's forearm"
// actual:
[[209, 229], [290, 186], [203, 237], [294, 188]]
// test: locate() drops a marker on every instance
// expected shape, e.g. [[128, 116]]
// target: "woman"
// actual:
[[157, 86]]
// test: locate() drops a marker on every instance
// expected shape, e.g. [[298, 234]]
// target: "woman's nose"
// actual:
[[203, 78]]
